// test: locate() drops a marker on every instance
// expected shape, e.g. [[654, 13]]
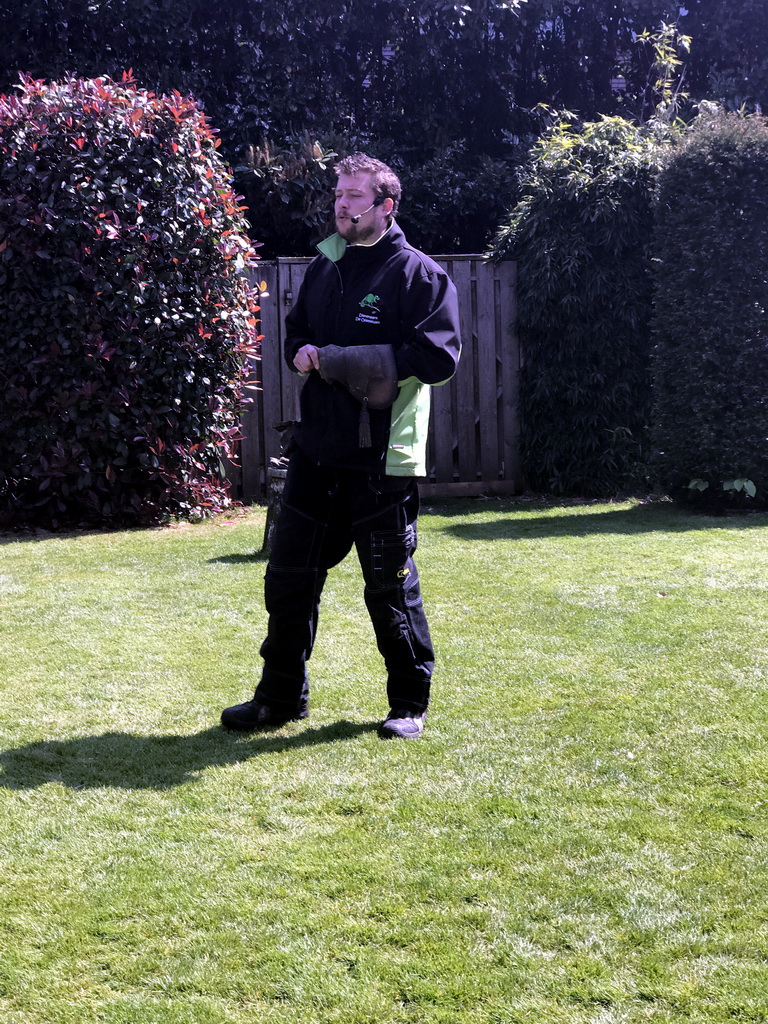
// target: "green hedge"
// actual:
[[125, 319], [710, 327], [581, 235]]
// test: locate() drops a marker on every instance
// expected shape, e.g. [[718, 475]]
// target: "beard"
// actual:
[[355, 234]]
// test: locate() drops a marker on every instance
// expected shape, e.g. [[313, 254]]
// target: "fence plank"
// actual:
[[440, 446], [509, 359], [486, 371], [272, 373], [253, 457], [443, 442], [292, 273], [465, 415]]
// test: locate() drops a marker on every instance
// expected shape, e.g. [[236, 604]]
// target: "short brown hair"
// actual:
[[386, 184]]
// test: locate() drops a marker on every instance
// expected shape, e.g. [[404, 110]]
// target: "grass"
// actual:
[[580, 836]]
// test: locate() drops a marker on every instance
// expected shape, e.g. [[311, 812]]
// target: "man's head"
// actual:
[[367, 197]]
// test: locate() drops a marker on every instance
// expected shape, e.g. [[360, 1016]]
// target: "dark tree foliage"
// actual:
[[426, 72], [448, 90], [124, 316], [290, 190], [710, 322], [581, 234], [729, 56], [449, 204], [453, 199], [583, 56]]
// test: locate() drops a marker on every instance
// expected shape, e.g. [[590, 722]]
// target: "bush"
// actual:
[[289, 187], [452, 200], [581, 234], [124, 316], [711, 335]]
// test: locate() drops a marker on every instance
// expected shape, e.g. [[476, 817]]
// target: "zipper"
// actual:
[[340, 308]]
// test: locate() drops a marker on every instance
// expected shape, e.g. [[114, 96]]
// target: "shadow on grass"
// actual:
[[527, 521], [127, 761], [242, 558]]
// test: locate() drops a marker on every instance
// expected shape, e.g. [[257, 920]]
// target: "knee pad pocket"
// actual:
[[390, 561]]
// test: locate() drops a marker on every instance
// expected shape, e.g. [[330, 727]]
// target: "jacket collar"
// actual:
[[335, 246]]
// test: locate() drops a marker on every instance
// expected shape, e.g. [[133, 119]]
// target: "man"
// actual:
[[348, 485]]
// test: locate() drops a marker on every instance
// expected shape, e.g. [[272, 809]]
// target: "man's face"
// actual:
[[354, 195]]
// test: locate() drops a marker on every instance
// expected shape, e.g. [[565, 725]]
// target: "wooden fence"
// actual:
[[474, 429]]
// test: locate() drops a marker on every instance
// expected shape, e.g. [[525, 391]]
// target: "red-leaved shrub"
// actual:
[[126, 321]]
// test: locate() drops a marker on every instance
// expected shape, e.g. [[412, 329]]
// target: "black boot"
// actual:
[[255, 714]]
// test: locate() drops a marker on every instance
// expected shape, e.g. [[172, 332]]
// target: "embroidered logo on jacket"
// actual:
[[369, 311]]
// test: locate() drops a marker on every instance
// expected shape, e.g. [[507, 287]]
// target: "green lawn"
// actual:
[[580, 836]]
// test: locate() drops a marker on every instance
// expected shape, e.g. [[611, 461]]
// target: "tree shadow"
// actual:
[[39, 535], [581, 522], [127, 761]]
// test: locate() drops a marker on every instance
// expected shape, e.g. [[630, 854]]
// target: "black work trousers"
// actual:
[[324, 512]]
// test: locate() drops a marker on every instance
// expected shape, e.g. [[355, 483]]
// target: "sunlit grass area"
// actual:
[[579, 837]]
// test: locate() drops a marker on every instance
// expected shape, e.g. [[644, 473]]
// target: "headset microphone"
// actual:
[[376, 202]]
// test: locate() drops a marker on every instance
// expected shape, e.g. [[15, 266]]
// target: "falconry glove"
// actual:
[[368, 372]]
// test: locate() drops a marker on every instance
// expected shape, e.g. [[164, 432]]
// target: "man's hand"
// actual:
[[306, 359]]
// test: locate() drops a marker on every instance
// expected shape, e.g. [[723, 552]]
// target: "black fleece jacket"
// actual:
[[387, 293]]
